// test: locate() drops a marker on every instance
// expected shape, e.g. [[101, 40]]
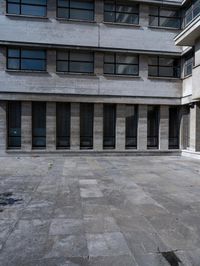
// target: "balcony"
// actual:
[[191, 13]]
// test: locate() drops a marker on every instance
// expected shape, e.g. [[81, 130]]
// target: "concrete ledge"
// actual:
[[191, 154], [63, 153]]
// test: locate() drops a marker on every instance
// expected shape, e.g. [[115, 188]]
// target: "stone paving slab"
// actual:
[[100, 211]]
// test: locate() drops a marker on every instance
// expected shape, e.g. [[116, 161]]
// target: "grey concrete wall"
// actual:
[[51, 126], [75, 126], [120, 127], [195, 128], [142, 127], [26, 126], [3, 135], [98, 127], [164, 127]]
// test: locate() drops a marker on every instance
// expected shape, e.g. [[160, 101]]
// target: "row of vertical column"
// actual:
[[26, 127]]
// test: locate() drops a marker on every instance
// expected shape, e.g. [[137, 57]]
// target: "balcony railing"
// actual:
[[192, 13]]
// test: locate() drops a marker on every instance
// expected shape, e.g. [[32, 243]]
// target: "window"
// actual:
[[188, 64], [109, 126], [121, 64], [131, 126], [162, 17], [27, 7], [63, 125], [26, 59], [121, 12], [75, 62], [164, 67], [75, 9], [38, 125], [174, 128], [152, 127], [14, 125], [86, 125], [192, 12]]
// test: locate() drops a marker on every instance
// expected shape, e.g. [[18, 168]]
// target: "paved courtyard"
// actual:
[[99, 211]]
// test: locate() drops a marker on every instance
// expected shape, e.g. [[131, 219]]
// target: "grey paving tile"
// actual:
[[66, 227]]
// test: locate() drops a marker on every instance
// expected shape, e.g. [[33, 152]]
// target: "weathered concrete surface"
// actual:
[[100, 211]]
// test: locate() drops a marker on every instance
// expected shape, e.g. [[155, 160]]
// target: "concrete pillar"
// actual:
[[51, 62], [98, 63], [195, 128], [142, 127], [197, 52], [184, 127], [144, 15], [99, 11], [143, 65], [164, 127], [2, 58], [75, 126], [51, 9], [26, 126], [3, 128], [51, 126], [120, 127], [98, 127]]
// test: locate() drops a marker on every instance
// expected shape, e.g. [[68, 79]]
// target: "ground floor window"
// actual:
[[63, 125], [86, 125], [152, 127], [174, 125], [109, 126], [14, 125], [38, 125], [131, 113]]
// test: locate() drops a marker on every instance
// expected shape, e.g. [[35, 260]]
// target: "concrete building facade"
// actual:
[[98, 76]]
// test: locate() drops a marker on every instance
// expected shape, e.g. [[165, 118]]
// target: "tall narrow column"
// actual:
[[184, 127], [75, 126], [26, 126], [51, 126], [98, 127], [99, 12], [142, 127], [195, 127], [164, 127], [120, 127], [3, 134]]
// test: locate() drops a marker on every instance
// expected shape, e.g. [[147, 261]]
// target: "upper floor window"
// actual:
[[75, 61], [76, 9], [27, 7], [162, 17], [192, 12], [164, 67], [26, 59], [188, 64], [121, 12], [121, 64]]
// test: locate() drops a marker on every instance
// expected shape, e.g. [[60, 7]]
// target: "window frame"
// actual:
[[115, 64], [20, 58], [25, 4], [161, 16], [187, 63], [71, 61], [158, 66], [116, 4], [74, 8]]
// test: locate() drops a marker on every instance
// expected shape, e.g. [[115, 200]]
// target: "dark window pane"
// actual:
[[127, 69], [13, 9], [39, 125], [63, 125], [14, 124], [153, 71], [153, 21], [62, 66], [80, 67], [86, 125], [63, 13], [152, 127], [131, 113], [13, 64], [109, 69], [13, 52], [109, 126], [37, 54], [28, 64], [174, 125]]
